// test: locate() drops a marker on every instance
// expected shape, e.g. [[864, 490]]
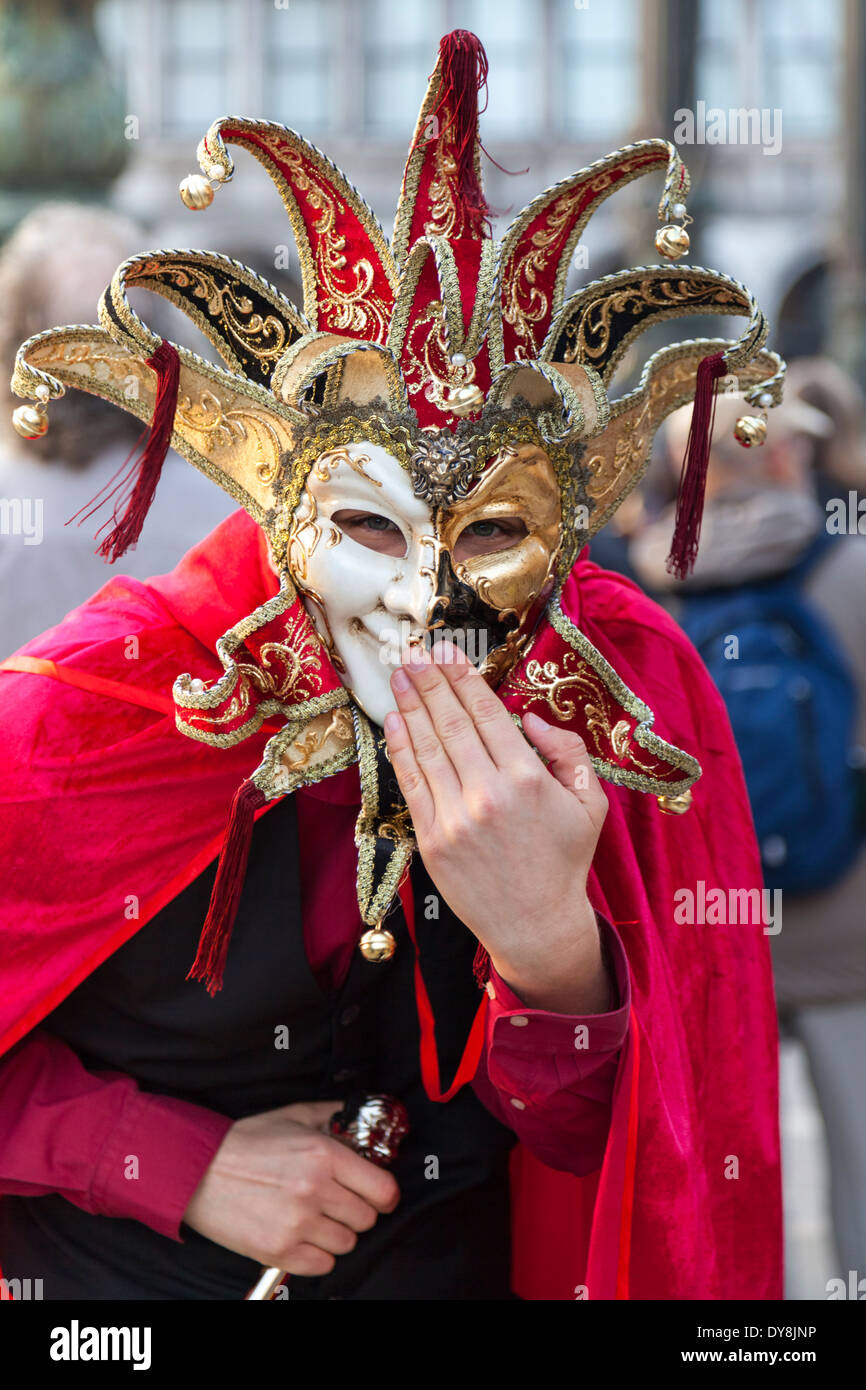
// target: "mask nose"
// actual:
[[411, 590]]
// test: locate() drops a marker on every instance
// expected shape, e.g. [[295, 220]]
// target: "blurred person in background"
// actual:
[[839, 455], [53, 268], [775, 608]]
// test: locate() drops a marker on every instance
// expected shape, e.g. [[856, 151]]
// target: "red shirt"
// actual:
[[65, 1130]]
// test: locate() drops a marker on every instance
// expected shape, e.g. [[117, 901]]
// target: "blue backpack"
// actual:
[[792, 702]]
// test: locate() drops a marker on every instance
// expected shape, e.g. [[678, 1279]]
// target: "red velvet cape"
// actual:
[[108, 812]]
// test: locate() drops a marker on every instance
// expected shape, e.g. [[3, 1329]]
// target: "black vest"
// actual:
[[138, 1014]]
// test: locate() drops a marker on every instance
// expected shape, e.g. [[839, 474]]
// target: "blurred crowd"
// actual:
[[781, 571], [53, 269], [777, 607]]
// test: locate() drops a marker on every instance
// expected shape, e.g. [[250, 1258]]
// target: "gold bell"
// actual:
[[464, 400], [377, 944], [30, 421], [750, 430], [672, 241], [196, 192], [675, 805]]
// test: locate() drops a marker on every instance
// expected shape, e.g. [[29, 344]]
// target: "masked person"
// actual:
[[425, 450]]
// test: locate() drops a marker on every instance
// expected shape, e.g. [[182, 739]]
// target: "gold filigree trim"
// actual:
[[374, 903], [643, 733], [86, 357], [333, 282], [567, 210], [652, 294], [225, 312]]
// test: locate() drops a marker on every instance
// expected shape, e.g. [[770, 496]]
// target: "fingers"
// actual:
[[331, 1236], [428, 752], [452, 722], [349, 1209], [374, 1185], [569, 761], [315, 1114], [411, 779], [308, 1261], [490, 719]]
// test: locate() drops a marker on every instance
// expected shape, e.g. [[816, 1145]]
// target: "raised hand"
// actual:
[[507, 841]]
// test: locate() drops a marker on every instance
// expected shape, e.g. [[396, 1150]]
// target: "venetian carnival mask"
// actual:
[[427, 444], [382, 569]]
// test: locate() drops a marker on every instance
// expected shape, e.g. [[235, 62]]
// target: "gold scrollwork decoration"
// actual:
[[589, 333], [264, 337], [352, 307], [224, 429]]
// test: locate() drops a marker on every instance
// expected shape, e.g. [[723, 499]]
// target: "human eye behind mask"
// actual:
[[383, 535], [373, 530]]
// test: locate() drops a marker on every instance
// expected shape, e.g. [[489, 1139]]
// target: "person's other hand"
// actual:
[[283, 1192]]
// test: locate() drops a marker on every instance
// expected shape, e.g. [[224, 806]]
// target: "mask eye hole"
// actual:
[[372, 530], [486, 536]]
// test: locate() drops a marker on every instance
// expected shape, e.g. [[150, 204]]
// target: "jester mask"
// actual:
[[427, 445]]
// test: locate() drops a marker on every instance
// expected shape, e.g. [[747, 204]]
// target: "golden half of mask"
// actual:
[[503, 589]]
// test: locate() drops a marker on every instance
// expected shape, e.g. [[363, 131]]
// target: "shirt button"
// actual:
[[518, 1104], [346, 1074], [350, 1014], [518, 1021]]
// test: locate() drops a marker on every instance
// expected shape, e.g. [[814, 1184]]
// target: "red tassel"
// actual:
[[138, 483], [210, 961], [693, 476], [481, 966], [464, 69]]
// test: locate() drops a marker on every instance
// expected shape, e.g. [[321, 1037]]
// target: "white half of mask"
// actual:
[[366, 606]]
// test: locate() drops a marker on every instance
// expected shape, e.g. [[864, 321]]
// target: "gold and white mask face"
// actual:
[[381, 569]]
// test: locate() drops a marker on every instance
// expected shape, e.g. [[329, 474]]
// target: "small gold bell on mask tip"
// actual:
[[30, 421], [672, 242], [196, 192], [675, 805], [750, 430], [464, 400], [377, 944]]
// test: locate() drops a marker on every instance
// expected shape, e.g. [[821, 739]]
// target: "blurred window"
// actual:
[[360, 67], [299, 73], [400, 39], [783, 56], [512, 32], [595, 67], [195, 59]]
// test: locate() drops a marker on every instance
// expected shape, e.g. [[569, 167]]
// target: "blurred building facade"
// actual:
[[777, 200]]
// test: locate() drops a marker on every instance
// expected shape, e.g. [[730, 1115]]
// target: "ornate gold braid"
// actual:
[[271, 766], [639, 285], [597, 170], [225, 687], [643, 733], [214, 279], [213, 149], [329, 357], [405, 296], [373, 906]]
